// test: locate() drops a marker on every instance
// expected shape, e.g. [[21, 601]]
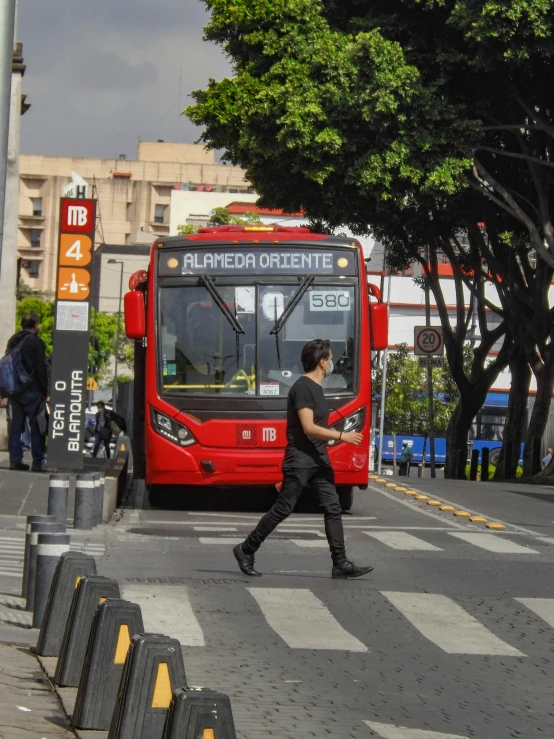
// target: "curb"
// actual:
[[422, 498]]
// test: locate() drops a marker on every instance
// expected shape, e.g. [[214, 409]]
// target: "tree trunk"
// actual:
[[460, 424], [514, 427], [541, 410]]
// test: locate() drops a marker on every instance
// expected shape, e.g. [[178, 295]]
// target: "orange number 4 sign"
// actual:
[[75, 250]]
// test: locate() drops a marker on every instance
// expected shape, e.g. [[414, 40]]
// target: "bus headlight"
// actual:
[[354, 422], [171, 429]]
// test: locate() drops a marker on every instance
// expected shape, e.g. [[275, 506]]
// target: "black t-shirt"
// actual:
[[303, 450]]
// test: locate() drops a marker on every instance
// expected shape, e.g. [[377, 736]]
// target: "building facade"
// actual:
[[134, 198]]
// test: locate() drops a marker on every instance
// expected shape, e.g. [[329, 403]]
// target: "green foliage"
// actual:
[[492, 471], [222, 217], [187, 228], [406, 405], [103, 331]]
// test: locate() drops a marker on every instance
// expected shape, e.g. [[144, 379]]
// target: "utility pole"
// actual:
[[383, 395], [430, 398], [7, 31]]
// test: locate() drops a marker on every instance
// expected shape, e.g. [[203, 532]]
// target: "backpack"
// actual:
[[14, 378]]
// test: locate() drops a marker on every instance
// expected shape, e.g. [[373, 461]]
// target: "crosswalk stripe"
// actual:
[[493, 543], [448, 625], [166, 609], [229, 541], [402, 541], [9, 573], [543, 607], [311, 543], [214, 528], [287, 530], [389, 731], [303, 621]]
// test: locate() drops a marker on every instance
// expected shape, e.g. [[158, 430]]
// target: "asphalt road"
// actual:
[[451, 636]]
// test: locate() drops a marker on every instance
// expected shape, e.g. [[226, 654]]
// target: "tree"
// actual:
[[221, 217], [406, 402]]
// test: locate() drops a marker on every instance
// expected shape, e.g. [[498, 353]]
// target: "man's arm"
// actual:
[[306, 416]]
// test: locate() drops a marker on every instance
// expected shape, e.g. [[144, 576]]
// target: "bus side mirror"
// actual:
[[379, 320], [135, 315]]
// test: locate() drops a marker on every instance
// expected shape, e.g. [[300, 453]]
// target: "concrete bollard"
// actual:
[[30, 520], [461, 457], [50, 548], [37, 528], [58, 493], [196, 712], [99, 497], [85, 502]]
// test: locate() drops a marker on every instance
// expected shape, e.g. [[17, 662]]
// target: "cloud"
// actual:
[[100, 75]]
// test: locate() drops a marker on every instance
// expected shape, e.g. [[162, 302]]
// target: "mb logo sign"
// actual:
[[269, 434], [77, 215]]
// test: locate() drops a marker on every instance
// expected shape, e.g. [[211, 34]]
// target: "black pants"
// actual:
[[322, 479], [26, 405], [101, 439]]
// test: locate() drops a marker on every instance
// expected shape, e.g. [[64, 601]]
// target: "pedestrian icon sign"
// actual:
[[73, 284]]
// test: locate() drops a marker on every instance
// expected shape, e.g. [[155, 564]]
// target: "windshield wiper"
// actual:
[[291, 305], [221, 304]]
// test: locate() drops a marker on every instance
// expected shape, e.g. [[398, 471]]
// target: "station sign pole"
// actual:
[[70, 363]]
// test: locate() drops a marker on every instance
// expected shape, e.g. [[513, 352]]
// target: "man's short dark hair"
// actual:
[[313, 352], [100, 404], [29, 321]]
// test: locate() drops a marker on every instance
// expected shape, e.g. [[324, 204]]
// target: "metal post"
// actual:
[[58, 492], [115, 385], [92, 355], [50, 548], [85, 502], [30, 520], [474, 467], [461, 459], [7, 32], [485, 464], [36, 529], [430, 399], [383, 392], [394, 454]]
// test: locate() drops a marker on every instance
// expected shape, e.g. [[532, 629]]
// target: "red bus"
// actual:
[[219, 321]]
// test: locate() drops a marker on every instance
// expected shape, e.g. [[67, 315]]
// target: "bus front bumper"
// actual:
[[168, 464]]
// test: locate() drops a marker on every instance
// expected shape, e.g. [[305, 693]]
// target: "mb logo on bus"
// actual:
[[269, 434]]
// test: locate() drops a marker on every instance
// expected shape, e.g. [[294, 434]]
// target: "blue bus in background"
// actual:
[[487, 430]]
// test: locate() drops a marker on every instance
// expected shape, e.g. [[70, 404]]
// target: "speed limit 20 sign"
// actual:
[[428, 341]]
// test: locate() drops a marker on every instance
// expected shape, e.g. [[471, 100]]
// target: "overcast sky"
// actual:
[[100, 75]]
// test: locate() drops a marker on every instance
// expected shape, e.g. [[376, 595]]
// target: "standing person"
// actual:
[[306, 462], [546, 460], [405, 459], [26, 404], [102, 429]]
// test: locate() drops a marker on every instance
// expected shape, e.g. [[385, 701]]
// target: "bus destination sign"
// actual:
[[252, 261]]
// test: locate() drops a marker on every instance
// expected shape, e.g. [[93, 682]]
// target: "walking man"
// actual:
[[27, 403], [405, 460], [306, 462], [102, 429]]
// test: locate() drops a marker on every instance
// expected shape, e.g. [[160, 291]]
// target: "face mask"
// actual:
[[330, 370]]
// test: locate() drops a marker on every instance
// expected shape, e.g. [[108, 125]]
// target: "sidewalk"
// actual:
[[518, 504], [29, 708]]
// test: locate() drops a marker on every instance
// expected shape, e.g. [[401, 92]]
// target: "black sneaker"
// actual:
[[39, 468], [245, 562], [346, 569], [20, 467]]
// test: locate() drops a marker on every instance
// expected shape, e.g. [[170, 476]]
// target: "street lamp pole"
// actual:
[[115, 385]]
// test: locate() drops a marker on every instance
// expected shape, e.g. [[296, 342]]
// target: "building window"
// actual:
[[35, 238], [159, 214], [34, 266], [37, 206]]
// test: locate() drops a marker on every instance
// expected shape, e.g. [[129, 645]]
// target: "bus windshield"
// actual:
[[201, 353]]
